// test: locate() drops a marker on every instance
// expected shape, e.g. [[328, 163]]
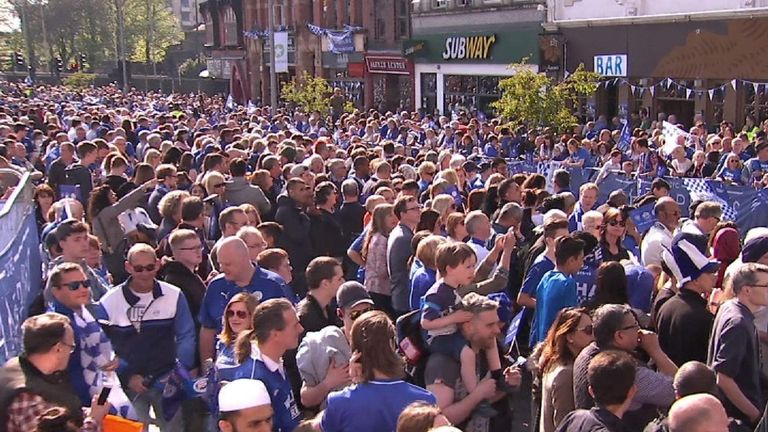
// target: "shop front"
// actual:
[[689, 69], [461, 70], [388, 82]]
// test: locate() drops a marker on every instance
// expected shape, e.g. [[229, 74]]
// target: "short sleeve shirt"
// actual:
[[734, 351], [440, 301]]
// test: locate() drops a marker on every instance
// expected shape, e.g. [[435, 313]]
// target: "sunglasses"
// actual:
[[617, 223], [587, 329], [75, 285], [218, 185], [141, 269], [356, 314], [240, 314]]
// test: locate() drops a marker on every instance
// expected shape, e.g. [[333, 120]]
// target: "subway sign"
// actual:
[[468, 47]]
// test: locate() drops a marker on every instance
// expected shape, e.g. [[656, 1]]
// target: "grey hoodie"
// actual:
[[239, 191]]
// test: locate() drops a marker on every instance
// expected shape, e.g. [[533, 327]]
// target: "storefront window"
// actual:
[[755, 101], [429, 92], [718, 100], [464, 92]]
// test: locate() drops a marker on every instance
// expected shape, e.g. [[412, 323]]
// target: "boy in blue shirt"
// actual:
[[440, 316], [557, 289]]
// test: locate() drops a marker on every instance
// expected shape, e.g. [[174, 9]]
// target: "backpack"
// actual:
[[412, 345]]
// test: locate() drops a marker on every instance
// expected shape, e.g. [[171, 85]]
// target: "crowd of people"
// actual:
[[374, 271]]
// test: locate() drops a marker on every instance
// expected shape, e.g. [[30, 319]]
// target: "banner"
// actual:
[[281, 52], [20, 276], [340, 42]]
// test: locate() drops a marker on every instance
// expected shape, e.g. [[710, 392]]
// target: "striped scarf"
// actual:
[[95, 353]]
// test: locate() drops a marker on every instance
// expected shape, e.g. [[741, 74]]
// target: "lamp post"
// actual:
[[119, 6], [272, 73]]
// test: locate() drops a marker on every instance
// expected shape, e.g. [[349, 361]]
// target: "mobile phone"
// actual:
[[103, 395]]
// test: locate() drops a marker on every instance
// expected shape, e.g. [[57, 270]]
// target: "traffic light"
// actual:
[[83, 59], [18, 58], [59, 64]]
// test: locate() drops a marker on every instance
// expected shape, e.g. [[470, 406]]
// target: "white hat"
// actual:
[[241, 394]]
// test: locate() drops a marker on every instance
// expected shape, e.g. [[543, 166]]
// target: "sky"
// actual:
[[8, 20]]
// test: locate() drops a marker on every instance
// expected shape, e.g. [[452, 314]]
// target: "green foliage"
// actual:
[[66, 28], [191, 67], [308, 92], [153, 29], [537, 100], [79, 80]]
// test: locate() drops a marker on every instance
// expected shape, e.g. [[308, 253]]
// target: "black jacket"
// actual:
[[295, 239], [179, 275], [77, 174], [327, 235]]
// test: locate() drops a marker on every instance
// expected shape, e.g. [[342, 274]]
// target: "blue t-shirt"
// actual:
[[582, 154], [267, 284], [540, 266], [421, 281], [555, 292], [733, 175], [490, 150], [755, 165], [373, 406]]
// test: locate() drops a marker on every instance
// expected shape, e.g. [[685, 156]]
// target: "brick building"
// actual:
[[375, 74]]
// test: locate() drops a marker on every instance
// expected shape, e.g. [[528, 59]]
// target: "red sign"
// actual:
[[387, 65], [356, 70]]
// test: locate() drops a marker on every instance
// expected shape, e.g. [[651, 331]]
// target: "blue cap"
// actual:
[[505, 306], [690, 253]]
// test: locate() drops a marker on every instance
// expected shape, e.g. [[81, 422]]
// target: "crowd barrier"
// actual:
[[741, 204], [20, 264]]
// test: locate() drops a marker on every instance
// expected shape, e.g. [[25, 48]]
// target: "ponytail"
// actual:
[[243, 345]]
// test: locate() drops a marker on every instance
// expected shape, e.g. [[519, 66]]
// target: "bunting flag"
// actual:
[[711, 93], [733, 84], [652, 89], [755, 85], [316, 30], [632, 88], [688, 93]]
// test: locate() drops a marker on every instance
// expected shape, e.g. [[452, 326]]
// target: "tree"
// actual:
[[537, 100], [152, 28], [309, 93]]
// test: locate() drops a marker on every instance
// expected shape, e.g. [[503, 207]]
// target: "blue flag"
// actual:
[[643, 217], [626, 137], [180, 386]]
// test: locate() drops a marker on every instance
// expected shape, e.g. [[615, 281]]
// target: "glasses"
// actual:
[[75, 285], [356, 314], [634, 326], [587, 329], [218, 185], [759, 286], [146, 268], [429, 173], [617, 223], [412, 208], [193, 248], [240, 314], [71, 347]]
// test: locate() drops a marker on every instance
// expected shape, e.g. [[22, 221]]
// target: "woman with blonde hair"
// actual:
[[443, 204], [374, 254], [570, 333], [425, 275]]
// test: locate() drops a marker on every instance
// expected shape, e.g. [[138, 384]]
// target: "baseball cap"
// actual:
[[65, 229], [351, 294], [242, 394], [689, 251], [754, 249]]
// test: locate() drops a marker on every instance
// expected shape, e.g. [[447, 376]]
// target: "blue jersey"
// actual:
[[373, 406], [264, 284]]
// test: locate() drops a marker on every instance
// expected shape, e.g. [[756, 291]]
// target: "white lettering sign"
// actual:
[[614, 65]]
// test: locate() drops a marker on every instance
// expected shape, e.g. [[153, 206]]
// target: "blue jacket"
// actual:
[[165, 333]]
